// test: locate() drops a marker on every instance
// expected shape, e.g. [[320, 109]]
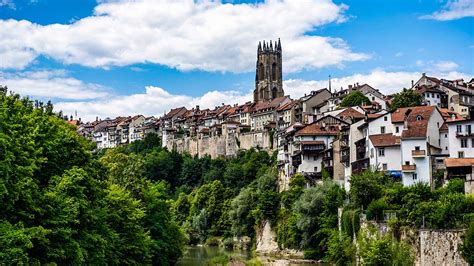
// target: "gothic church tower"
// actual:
[[268, 76]]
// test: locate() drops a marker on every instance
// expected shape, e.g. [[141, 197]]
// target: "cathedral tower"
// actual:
[[268, 75]]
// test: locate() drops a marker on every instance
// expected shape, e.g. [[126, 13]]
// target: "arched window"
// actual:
[[274, 71], [274, 92], [261, 72], [419, 117]]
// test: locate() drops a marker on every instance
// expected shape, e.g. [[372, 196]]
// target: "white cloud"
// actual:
[[445, 66], [155, 101], [51, 84], [454, 9], [7, 3], [206, 35]]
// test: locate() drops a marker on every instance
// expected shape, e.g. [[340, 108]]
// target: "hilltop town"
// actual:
[[319, 134]]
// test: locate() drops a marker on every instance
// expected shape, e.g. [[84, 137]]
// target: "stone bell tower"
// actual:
[[268, 75]]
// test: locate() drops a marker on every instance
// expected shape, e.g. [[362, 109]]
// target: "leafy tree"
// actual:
[[316, 212], [406, 98], [366, 187], [354, 98]]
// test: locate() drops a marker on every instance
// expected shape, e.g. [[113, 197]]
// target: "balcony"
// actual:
[[418, 153], [408, 168], [464, 134]]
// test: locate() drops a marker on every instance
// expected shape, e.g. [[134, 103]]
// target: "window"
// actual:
[[445, 135], [419, 118], [373, 98], [460, 154], [397, 129], [472, 142], [437, 96], [382, 130], [385, 118], [463, 143], [372, 152], [417, 148], [381, 152], [407, 163], [432, 95], [414, 176], [316, 169], [384, 167], [468, 129], [315, 158], [458, 128]]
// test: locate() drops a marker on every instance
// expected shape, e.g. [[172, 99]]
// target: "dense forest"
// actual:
[[65, 202]]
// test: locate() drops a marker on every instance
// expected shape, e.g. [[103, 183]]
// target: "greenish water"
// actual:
[[205, 255]]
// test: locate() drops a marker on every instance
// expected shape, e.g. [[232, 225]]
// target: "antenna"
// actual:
[[330, 84]]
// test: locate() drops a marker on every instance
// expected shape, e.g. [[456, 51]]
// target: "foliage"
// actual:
[[455, 185], [377, 249], [350, 222], [316, 212], [354, 98], [366, 187], [60, 205], [467, 247], [406, 98], [341, 250]]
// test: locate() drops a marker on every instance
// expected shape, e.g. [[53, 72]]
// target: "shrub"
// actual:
[[467, 247], [341, 250]]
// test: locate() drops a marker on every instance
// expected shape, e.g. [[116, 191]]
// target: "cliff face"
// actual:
[[223, 145]]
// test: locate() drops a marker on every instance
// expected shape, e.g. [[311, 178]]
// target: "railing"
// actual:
[[408, 168], [418, 153]]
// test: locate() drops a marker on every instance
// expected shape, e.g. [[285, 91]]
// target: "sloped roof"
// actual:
[[315, 129], [174, 112], [270, 105], [385, 140], [350, 113], [417, 120], [459, 162]]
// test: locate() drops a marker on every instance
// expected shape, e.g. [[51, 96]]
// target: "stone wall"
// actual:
[[223, 145], [440, 247]]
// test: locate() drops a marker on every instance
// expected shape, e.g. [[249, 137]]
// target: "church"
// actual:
[[268, 74]]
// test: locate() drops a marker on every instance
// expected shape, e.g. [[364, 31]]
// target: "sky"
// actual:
[[105, 58]]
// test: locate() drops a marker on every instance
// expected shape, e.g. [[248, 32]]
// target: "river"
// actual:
[[212, 255]]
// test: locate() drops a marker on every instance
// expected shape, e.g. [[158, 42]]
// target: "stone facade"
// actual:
[[440, 247], [226, 145], [268, 76]]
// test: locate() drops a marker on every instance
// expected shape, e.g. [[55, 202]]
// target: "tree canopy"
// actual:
[[406, 98], [354, 98]]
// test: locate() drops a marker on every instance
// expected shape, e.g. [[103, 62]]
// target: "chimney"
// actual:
[[412, 83], [350, 87], [96, 118]]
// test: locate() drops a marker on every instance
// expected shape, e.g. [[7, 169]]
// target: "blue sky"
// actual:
[[111, 58]]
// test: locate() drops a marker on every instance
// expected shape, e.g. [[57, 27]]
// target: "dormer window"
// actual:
[[419, 118]]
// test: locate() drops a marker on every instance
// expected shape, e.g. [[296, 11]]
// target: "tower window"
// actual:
[[274, 71], [261, 72]]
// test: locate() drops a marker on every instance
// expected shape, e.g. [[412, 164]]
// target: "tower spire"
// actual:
[[259, 47], [279, 45], [271, 45]]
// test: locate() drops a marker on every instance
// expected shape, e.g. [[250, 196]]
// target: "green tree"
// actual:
[[354, 98], [406, 98], [316, 212], [365, 187]]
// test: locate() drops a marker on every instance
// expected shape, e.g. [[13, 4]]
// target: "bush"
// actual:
[[455, 185], [341, 250], [375, 249], [376, 208], [350, 223]]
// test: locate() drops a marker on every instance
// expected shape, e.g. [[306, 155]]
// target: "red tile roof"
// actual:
[[459, 162], [350, 113], [417, 120], [315, 129], [384, 140]]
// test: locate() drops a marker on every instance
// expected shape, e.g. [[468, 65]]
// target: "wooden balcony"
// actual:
[[408, 168], [418, 153]]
